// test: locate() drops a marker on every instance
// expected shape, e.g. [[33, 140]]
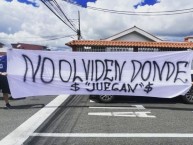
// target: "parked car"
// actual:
[[187, 98]]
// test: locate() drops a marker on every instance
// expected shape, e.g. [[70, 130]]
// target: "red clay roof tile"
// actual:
[[130, 44]]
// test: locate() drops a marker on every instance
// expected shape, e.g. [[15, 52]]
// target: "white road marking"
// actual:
[[123, 114], [25, 130], [109, 135], [100, 113], [144, 115], [92, 101], [129, 107]]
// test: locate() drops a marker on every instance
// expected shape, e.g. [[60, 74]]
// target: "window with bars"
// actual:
[[126, 49], [91, 49], [119, 49]]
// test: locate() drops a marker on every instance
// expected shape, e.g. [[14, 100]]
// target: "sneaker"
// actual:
[[8, 106]]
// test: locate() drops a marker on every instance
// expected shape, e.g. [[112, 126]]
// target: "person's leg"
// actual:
[[5, 97], [6, 91]]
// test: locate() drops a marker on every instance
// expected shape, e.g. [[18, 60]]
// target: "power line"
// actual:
[[53, 37], [64, 14], [158, 13], [50, 6], [169, 11], [57, 10], [56, 14], [152, 13]]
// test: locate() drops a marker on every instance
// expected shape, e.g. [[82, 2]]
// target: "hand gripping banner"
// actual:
[[153, 74]]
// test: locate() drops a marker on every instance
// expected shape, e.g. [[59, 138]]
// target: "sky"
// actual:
[[30, 21]]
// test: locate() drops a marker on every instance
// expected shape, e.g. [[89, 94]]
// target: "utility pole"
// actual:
[[78, 31]]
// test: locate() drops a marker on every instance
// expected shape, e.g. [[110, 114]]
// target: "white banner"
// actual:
[[154, 74]]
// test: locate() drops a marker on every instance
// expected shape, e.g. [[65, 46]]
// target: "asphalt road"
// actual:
[[127, 121], [23, 109]]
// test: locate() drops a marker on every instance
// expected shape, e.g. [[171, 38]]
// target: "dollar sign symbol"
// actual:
[[148, 88], [74, 87]]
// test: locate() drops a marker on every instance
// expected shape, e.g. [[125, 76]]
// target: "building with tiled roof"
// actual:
[[104, 45], [133, 40], [3, 48], [28, 46], [134, 34], [188, 39]]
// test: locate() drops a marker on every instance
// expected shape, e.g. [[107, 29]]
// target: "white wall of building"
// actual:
[[134, 36]]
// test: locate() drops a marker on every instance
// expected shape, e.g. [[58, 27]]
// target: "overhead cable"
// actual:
[[144, 13], [64, 14], [54, 37], [48, 5], [158, 13]]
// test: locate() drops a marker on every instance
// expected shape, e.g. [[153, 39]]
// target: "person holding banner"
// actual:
[[4, 86]]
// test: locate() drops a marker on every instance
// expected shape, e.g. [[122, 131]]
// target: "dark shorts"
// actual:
[[4, 86]]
